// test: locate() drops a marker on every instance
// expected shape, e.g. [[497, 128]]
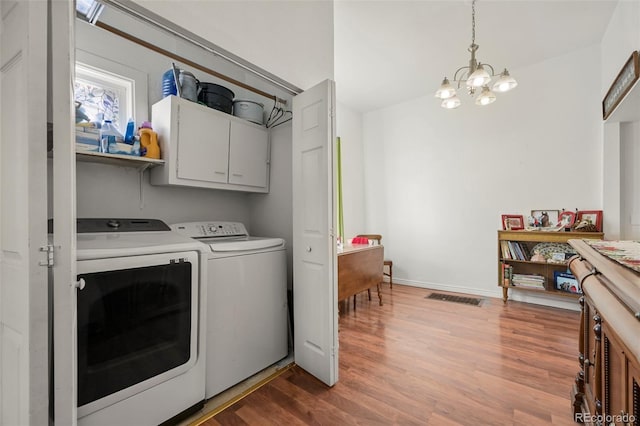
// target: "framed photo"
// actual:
[[566, 219], [565, 281], [545, 218], [592, 216], [512, 222]]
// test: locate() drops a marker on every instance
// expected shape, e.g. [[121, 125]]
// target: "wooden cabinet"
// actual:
[[527, 241], [606, 389], [207, 148]]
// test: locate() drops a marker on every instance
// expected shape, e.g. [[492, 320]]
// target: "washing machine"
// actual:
[[246, 301], [140, 322]]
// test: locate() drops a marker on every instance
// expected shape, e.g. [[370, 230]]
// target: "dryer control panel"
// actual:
[[210, 229]]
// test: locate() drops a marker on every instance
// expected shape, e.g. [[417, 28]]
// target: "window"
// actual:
[[103, 96], [108, 90]]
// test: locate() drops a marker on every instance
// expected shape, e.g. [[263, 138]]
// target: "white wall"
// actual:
[[620, 39], [291, 39], [446, 176], [621, 199], [349, 130], [272, 213], [630, 180]]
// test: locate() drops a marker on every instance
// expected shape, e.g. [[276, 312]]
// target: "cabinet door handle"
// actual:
[[220, 173], [237, 174]]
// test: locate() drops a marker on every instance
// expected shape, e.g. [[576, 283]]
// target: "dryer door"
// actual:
[[137, 325]]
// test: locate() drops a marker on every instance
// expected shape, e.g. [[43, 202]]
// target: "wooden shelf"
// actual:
[[141, 163], [528, 240], [563, 265]]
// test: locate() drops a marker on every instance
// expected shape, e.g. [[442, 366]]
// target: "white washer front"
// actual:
[[246, 302]]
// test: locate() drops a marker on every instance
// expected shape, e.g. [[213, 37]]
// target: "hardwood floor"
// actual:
[[418, 361]]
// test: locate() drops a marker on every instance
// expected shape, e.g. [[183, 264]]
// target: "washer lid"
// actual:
[[108, 244], [244, 244]]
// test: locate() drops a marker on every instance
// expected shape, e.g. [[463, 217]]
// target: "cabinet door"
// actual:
[[248, 155], [634, 393], [203, 144], [614, 374], [592, 393]]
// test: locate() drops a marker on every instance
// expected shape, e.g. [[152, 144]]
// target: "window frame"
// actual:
[[96, 68]]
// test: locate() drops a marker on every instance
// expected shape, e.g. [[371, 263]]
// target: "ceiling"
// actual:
[[391, 51]]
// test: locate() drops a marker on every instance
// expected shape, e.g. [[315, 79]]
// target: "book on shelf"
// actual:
[[512, 250], [504, 247], [507, 274], [565, 281], [528, 280], [517, 251]]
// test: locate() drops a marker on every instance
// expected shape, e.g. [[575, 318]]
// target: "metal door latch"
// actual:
[[48, 249]]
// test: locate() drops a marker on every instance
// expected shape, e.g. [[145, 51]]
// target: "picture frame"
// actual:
[[621, 85], [566, 219], [566, 282], [512, 222], [551, 217], [593, 216]]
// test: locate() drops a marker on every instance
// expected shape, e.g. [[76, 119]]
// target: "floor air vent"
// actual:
[[457, 299]]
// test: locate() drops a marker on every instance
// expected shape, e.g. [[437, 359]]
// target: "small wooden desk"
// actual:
[[359, 269]]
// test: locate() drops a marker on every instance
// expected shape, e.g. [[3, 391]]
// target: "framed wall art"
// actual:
[[593, 217], [566, 219], [622, 84], [545, 218], [512, 222]]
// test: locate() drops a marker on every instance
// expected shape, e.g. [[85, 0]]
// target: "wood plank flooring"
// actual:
[[418, 361]]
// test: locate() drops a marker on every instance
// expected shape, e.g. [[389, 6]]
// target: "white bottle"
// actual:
[[109, 138]]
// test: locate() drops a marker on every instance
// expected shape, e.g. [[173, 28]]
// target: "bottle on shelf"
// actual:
[[109, 137]]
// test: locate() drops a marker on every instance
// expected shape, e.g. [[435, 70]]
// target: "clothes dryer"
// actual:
[[139, 322]]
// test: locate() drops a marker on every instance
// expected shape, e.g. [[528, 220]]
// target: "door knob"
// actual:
[[80, 284], [308, 249]]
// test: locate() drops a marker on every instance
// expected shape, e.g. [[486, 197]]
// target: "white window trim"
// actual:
[[139, 86]]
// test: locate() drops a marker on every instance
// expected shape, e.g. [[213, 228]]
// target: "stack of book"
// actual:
[[514, 250], [87, 137], [528, 280]]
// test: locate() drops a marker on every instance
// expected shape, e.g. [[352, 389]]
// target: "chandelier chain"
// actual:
[[473, 22]]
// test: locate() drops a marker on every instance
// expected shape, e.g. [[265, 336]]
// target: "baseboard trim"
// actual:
[[518, 296]]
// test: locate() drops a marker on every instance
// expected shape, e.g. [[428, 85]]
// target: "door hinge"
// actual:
[[48, 249]]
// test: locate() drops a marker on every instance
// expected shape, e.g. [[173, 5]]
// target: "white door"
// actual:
[[315, 279], [24, 398], [63, 207]]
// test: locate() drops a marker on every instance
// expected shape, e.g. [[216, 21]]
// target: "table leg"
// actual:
[[379, 295]]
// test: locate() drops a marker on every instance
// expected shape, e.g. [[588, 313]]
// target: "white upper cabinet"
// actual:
[[248, 149], [203, 144], [206, 148]]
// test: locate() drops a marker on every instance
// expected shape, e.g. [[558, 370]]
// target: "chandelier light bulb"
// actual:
[[486, 97], [505, 82], [479, 77], [446, 90], [451, 103]]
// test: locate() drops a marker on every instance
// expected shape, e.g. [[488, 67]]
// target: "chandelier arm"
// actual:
[[455, 75], [493, 72]]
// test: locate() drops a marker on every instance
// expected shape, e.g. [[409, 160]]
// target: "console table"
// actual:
[[607, 386], [359, 269]]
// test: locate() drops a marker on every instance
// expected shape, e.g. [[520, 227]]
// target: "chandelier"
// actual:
[[477, 76]]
